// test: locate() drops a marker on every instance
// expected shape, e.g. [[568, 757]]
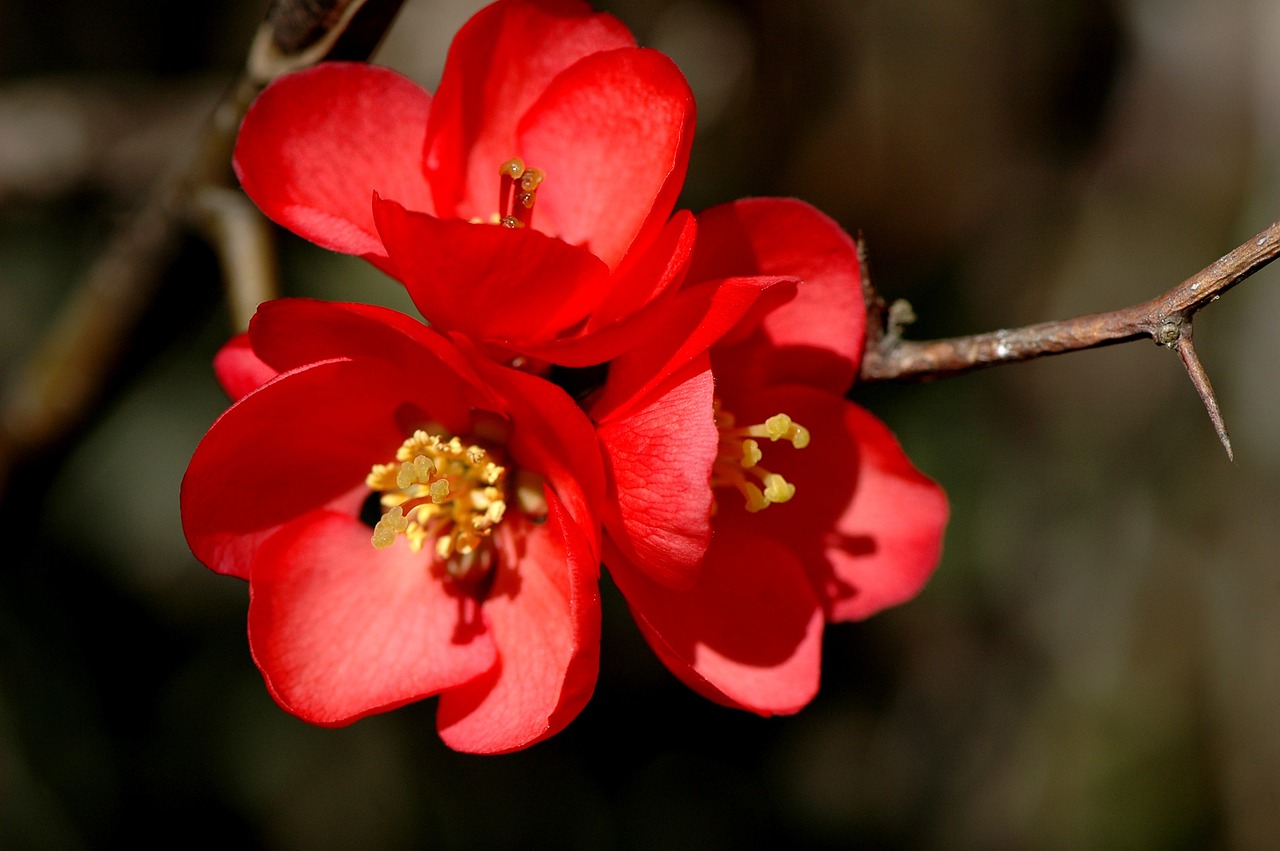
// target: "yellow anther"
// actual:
[[778, 489], [421, 443], [417, 472], [530, 180], [756, 500], [781, 426], [406, 476], [444, 493], [740, 452], [777, 426], [517, 193], [391, 525], [381, 477]]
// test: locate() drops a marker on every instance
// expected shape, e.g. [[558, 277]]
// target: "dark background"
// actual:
[[1097, 660]]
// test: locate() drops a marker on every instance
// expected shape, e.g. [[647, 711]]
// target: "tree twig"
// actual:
[[1166, 319], [65, 374]]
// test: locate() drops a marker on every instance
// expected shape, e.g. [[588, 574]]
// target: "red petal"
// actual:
[[636, 307], [864, 522], [902, 511], [650, 273], [341, 630], [292, 332], [552, 437], [544, 615], [491, 283], [695, 320], [748, 634], [816, 338], [239, 370], [612, 134], [294, 445], [316, 145], [660, 458], [499, 63]]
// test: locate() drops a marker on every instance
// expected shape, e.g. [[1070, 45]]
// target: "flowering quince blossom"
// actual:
[[478, 582], [527, 209], [540, 101], [748, 501]]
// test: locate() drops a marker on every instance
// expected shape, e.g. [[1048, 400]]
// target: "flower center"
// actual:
[[517, 193], [443, 490], [737, 462]]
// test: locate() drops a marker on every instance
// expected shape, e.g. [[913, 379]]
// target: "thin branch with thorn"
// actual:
[[1166, 319], [65, 374]]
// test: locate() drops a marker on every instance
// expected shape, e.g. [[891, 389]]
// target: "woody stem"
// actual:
[[66, 372], [1166, 319]]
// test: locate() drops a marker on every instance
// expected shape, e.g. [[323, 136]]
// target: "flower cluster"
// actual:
[[421, 509]]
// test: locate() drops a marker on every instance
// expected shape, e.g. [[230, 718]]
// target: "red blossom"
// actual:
[[489, 596], [527, 210], [361, 160], [731, 567]]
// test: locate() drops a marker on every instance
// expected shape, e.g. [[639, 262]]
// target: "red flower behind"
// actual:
[[483, 589], [361, 160], [748, 501]]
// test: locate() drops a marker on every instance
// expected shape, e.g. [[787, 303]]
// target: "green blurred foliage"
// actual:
[[1096, 662]]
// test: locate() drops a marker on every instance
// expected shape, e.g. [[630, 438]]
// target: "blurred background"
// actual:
[[1096, 662]]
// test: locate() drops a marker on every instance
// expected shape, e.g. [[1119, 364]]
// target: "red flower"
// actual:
[[361, 160], [479, 581], [748, 501]]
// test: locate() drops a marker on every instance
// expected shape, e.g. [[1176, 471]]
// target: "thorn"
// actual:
[[1199, 378], [871, 298]]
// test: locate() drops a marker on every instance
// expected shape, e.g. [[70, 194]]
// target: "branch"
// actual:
[[1165, 319], [68, 370]]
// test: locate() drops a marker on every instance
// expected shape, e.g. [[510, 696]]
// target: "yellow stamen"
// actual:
[[531, 179], [442, 490], [512, 168], [778, 489], [739, 457], [517, 192], [391, 524]]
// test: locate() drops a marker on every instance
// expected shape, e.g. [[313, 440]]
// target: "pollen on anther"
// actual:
[[418, 471], [778, 489], [531, 179], [738, 461], [517, 193], [391, 525], [443, 492], [781, 426], [512, 168]]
